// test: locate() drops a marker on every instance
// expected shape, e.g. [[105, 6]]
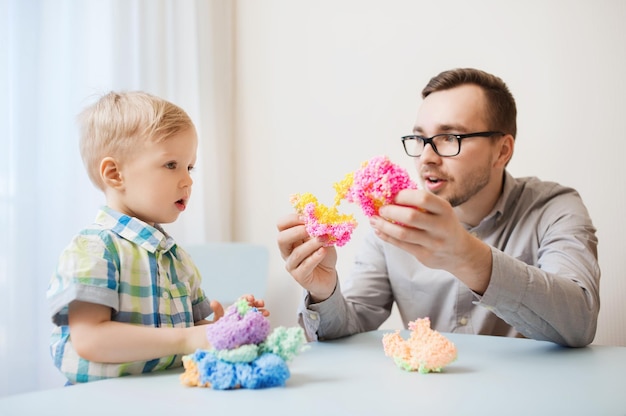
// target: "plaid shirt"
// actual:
[[135, 269]]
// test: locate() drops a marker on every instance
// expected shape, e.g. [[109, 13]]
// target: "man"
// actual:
[[474, 249]]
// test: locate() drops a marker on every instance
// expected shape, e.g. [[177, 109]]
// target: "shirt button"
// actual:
[[313, 316], [166, 295], [463, 321]]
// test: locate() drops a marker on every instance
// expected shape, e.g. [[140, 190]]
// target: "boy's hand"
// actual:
[[257, 303], [218, 311]]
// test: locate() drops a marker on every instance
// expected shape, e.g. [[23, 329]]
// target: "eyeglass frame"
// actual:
[[459, 137]]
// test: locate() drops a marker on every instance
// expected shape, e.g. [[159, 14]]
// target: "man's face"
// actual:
[[459, 178]]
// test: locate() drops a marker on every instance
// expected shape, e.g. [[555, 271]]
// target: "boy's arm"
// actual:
[[96, 338], [218, 309]]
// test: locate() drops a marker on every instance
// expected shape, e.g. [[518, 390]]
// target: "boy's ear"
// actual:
[[110, 173]]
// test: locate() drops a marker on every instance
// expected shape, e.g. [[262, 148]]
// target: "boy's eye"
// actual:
[[190, 168], [170, 165]]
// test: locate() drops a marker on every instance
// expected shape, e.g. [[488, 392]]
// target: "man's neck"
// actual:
[[480, 205]]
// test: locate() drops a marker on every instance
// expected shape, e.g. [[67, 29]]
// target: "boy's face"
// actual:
[[156, 181]]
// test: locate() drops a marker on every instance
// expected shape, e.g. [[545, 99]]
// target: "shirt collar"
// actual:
[[498, 209], [507, 189], [134, 230]]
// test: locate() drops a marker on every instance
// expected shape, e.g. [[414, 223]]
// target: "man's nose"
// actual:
[[428, 154]]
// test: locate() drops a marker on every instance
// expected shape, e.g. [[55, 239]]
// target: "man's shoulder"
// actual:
[[533, 193], [535, 185]]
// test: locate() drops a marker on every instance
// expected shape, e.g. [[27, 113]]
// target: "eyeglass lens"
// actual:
[[446, 145]]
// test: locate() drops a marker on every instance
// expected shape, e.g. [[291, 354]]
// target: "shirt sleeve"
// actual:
[[201, 305], [202, 310], [330, 311], [362, 303], [551, 293], [86, 272]]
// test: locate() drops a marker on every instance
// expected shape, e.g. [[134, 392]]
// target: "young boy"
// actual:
[[125, 298]]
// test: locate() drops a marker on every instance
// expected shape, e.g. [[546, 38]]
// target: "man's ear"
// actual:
[[110, 173], [506, 146]]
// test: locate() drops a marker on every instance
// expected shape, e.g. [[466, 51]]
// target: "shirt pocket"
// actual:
[[178, 310]]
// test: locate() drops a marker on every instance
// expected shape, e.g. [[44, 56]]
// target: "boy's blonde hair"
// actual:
[[117, 122]]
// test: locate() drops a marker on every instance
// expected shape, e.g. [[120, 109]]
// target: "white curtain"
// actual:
[[57, 56]]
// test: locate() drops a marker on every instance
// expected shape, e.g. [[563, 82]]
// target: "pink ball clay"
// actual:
[[373, 185], [377, 183]]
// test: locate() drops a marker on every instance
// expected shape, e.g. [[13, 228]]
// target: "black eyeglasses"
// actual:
[[445, 145]]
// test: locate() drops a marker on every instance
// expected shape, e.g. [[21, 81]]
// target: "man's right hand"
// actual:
[[307, 260]]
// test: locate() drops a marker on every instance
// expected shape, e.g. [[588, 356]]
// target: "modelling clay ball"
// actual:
[[324, 221], [373, 185], [424, 351], [244, 353], [238, 327]]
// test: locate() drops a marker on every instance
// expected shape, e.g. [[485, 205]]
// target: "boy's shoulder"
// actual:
[[101, 229], [112, 228]]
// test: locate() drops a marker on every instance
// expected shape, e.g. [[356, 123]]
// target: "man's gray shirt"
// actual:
[[544, 278]]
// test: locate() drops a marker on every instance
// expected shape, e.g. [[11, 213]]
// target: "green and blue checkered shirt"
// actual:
[[135, 269]]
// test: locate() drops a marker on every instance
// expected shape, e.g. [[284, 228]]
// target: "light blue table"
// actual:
[[352, 376]]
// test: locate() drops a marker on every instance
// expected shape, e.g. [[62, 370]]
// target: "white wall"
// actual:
[[324, 85]]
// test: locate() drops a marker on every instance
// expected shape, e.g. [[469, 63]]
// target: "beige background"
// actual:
[[322, 86]]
